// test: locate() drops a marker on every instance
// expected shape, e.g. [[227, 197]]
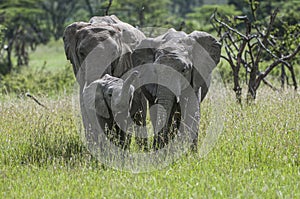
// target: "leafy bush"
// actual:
[[38, 81]]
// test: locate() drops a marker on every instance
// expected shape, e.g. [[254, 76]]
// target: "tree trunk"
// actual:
[[237, 89], [141, 16], [283, 76], [251, 95]]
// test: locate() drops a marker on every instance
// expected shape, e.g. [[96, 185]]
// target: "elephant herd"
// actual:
[[122, 75]]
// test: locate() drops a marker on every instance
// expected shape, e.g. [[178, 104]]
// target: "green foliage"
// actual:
[[25, 28], [183, 7], [32, 22], [58, 12], [38, 81], [199, 18], [142, 12], [2, 28]]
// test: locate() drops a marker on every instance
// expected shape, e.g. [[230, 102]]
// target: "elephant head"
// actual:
[[100, 46], [194, 56], [111, 98]]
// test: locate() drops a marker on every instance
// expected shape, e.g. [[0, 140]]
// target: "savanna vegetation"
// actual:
[[257, 155]]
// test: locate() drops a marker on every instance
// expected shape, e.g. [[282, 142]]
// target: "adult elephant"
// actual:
[[101, 46], [98, 47], [192, 56]]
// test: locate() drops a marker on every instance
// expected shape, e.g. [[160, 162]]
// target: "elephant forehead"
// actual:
[[172, 34], [95, 34], [100, 27], [175, 59], [99, 31], [110, 80]]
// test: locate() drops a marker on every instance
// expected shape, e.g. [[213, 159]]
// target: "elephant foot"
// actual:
[[124, 140], [160, 141]]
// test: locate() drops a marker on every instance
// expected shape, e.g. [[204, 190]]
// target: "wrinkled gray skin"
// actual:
[[112, 98], [101, 46], [194, 56]]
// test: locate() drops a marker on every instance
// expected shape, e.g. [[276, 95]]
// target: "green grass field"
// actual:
[[42, 156], [256, 156], [51, 55]]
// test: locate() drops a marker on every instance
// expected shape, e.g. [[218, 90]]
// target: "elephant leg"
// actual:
[[166, 133], [172, 125], [175, 122], [153, 118], [165, 114], [122, 138], [141, 130], [191, 119]]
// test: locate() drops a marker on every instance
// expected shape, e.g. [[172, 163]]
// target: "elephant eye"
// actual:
[[109, 93], [81, 54]]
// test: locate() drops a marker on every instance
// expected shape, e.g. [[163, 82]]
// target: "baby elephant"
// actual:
[[115, 103]]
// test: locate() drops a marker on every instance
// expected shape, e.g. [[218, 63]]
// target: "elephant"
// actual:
[[99, 47], [103, 39], [114, 101], [193, 56]]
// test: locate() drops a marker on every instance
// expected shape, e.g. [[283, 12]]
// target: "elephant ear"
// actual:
[[93, 99], [69, 38], [206, 53], [209, 43]]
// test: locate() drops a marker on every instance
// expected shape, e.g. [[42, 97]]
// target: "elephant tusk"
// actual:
[[177, 99]]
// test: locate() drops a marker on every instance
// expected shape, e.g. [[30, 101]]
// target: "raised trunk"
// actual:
[[126, 85]]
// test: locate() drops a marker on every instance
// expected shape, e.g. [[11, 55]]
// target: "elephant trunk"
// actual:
[[122, 106], [126, 92], [164, 114]]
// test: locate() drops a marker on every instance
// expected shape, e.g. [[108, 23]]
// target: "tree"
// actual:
[[58, 12], [142, 12], [25, 28], [247, 48], [183, 7], [200, 16]]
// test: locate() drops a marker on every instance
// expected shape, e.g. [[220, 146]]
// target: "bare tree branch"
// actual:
[[108, 6], [228, 27], [265, 36], [274, 64], [248, 48]]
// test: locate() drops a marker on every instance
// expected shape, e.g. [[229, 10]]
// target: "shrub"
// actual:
[[38, 81]]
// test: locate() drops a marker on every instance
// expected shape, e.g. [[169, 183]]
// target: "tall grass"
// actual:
[[256, 156]]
